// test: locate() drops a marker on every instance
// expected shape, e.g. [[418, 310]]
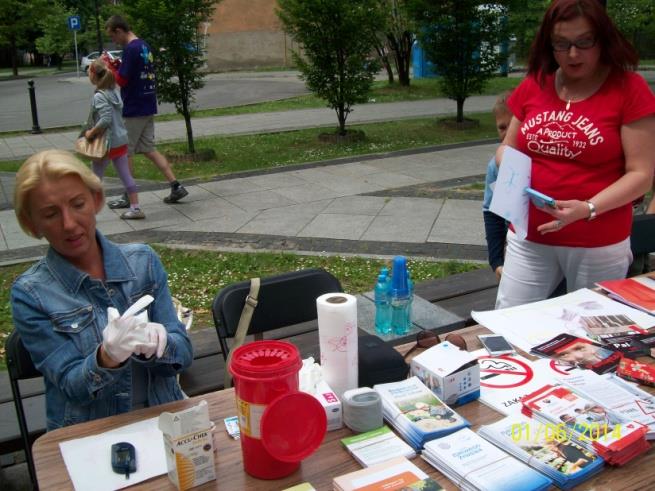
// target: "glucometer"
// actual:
[[123, 458], [540, 200]]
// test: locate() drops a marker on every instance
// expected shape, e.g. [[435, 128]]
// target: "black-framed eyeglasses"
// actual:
[[565, 44], [424, 339]]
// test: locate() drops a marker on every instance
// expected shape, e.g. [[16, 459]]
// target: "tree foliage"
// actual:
[[56, 38], [171, 29], [18, 28], [524, 18], [461, 38], [337, 38]]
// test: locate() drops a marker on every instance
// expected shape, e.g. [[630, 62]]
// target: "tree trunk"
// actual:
[[460, 109], [405, 62], [384, 58], [341, 115], [402, 55], [186, 113], [14, 57]]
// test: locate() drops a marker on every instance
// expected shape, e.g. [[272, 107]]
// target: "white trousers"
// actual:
[[532, 271]]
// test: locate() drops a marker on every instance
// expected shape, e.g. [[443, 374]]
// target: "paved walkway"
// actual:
[[358, 205]]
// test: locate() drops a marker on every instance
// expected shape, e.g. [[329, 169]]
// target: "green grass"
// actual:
[[196, 276], [424, 88], [263, 151], [36, 71]]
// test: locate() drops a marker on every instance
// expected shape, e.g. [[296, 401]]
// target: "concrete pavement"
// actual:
[[360, 205]]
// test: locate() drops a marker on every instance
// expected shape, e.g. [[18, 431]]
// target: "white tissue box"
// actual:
[[331, 404]]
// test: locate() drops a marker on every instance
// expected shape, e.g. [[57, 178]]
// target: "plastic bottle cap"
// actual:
[[293, 426]]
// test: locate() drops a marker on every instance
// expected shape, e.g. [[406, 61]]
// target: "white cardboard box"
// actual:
[[331, 404], [452, 374], [189, 446]]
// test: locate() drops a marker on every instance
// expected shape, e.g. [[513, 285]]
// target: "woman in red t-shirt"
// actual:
[[587, 120]]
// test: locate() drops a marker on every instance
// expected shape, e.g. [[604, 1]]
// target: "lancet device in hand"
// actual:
[[540, 200], [138, 306]]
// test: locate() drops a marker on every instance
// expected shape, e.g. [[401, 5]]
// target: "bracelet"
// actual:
[[592, 211]]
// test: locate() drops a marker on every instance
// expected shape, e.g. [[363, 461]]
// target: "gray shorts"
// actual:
[[140, 134]]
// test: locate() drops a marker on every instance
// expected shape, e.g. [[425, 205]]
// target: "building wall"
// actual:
[[246, 34]]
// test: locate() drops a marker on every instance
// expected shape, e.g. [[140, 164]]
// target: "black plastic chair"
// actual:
[[20, 367], [642, 242], [284, 300]]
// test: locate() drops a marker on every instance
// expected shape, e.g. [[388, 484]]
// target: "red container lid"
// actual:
[[262, 360], [293, 426]]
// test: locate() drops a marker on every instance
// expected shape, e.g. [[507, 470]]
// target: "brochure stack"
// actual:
[[616, 394], [416, 413], [592, 426], [376, 446], [392, 475], [637, 292], [562, 460], [473, 463]]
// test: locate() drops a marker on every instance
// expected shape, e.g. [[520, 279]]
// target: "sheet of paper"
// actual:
[[509, 200], [88, 459], [531, 324], [505, 379]]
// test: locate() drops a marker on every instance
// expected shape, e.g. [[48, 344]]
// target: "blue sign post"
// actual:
[[75, 24]]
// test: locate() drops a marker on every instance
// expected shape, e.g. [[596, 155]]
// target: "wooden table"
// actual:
[[330, 460]]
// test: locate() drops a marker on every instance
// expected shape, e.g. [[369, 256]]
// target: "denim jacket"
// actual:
[[60, 313]]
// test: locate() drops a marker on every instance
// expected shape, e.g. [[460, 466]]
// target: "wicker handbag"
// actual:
[[96, 148], [99, 146]]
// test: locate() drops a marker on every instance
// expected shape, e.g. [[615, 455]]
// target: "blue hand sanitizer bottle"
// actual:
[[399, 297], [382, 306]]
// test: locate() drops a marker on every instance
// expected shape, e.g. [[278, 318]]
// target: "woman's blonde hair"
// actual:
[[103, 78], [48, 165]]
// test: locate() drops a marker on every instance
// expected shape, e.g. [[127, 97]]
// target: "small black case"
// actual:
[[379, 362]]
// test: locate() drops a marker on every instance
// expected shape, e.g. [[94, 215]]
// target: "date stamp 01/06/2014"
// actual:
[[584, 431]]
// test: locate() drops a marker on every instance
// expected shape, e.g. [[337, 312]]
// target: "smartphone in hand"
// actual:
[[540, 200]]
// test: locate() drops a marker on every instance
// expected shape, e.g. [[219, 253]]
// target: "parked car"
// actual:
[[88, 59]]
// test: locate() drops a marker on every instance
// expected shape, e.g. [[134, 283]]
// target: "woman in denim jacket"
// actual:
[[66, 307]]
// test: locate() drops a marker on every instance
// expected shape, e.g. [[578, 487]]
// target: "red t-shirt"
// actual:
[[577, 153]]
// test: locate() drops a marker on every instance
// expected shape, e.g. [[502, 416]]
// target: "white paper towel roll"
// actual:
[[337, 332]]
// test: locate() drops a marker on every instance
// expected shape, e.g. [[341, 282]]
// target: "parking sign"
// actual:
[[74, 23]]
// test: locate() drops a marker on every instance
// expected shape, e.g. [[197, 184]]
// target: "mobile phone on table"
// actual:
[[540, 200], [496, 344]]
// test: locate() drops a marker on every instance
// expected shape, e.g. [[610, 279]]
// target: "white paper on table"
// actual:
[[510, 200], [526, 326], [88, 459], [505, 379]]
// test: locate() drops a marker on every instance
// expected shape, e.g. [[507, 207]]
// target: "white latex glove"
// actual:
[[123, 336], [157, 338]]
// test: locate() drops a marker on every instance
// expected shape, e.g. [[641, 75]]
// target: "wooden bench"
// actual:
[[459, 294]]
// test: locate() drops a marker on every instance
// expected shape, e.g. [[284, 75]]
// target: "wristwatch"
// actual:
[[592, 211]]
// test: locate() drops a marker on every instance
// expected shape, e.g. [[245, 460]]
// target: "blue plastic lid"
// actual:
[[399, 286]]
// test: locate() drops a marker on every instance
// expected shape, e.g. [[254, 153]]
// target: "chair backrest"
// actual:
[[284, 300], [21, 367], [642, 237]]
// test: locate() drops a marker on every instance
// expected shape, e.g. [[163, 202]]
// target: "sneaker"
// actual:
[[122, 202], [133, 214], [176, 195]]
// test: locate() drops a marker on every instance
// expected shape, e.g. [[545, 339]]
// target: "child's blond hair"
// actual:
[[103, 78]]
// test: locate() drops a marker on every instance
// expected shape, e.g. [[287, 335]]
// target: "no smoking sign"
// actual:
[[504, 372]]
